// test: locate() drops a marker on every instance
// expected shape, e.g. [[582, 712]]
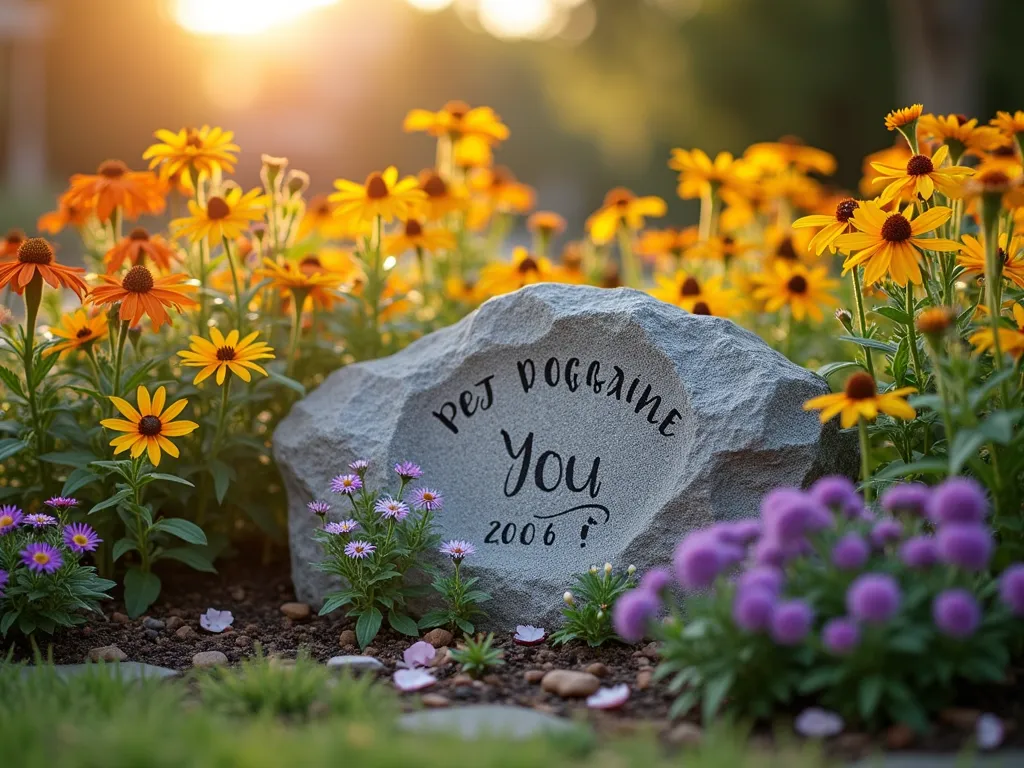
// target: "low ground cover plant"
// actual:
[[589, 605]]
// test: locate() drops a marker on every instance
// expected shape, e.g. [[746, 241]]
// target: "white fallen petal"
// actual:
[[989, 731], [609, 698], [413, 679], [816, 723], [216, 621], [527, 634], [419, 654]]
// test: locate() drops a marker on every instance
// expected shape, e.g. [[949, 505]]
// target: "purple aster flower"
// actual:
[[391, 509], [907, 498], [698, 560], [359, 466], [457, 549], [319, 508], [80, 538], [958, 500], [966, 545], [752, 609], [408, 471], [765, 577], [655, 580], [10, 518], [346, 484], [886, 532], [1011, 588], [873, 598], [850, 552], [345, 526], [359, 549], [61, 503], [838, 494], [840, 636], [919, 552], [791, 621], [4, 576], [39, 520], [427, 498], [956, 613], [42, 557], [633, 612]]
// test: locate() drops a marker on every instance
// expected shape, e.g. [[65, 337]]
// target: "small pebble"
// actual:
[[643, 679], [238, 594], [643, 661], [570, 684], [434, 700], [347, 639], [533, 676], [119, 618], [651, 651], [464, 693], [439, 637], [369, 651], [185, 633], [685, 735], [151, 623], [899, 736], [461, 680], [492, 680], [960, 717], [296, 611], [597, 669], [243, 641], [152, 634], [107, 653], [174, 623], [547, 665], [208, 659]]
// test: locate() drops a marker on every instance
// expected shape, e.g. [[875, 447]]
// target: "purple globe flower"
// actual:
[[838, 494], [965, 545], [886, 532], [752, 609], [633, 612], [655, 580], [80, 538], [791, 621], [698, 560], [1011, 588], [873, 598], [10, 518], [408, 471], [427, 498], [4, 577], [346, 484], [42, 557], [788, 514], [850, 552], [765, 577], [956, 613], [740, 533], [958, 500], [919, 552], [840, 636], [769, 553], [906, 498]]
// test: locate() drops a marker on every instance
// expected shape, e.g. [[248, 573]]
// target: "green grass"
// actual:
[[268, 715]]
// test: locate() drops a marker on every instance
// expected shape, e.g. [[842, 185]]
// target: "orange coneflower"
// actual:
[[972, 257], [142, 294], [667, 242], [699, 175], [311, 277], [136, 247], [709, 297], [502, 191], [78, 329], [66, 214], [1011, 340], [458, 120], [115, 186], [416, 237], [860, 399], [383, 194], [148, 427], [11, 242], [207, 150], [35, 257], [831, 226], [525, 269], [792, 284], [900, 118]]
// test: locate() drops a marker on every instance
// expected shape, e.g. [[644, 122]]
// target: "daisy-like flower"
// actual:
[[10, 518], [208, 151], [61, 503], [11, 243], [115, 186], [223, 354], [391, 509], [1010, 124], [320, 218], [66, 215], [686, 292], [440, 197], [359, 466], [789, 152], [721, 248], [501, 192], [149, 427], [35, 257], [224, 216], [359, 550], [344, 526], [500, 277], [667, 242], [457, 549], [972, 257], [42, 557], [546, 224], [831, 226], [889, 243], [623, 209], [921, 176], [136, 248], [801, 288], [408, 471], [382, 195], [458, 120], [860, 399], [1011, 340], [871, 184], [306, 278], [416, 237], [960, 134], [78, 330], [80, 538], [900, 118], [142, 294], [699, 175], [319, 508], [427, 499], [39, 520], [346, 484]]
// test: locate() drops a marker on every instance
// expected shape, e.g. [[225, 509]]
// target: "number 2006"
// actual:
[[526, 536]]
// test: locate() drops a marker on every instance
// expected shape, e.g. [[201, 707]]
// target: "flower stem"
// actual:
[[202, 285], [912, 337], [298, 299], [858, 295], [122, 337], [239, 310], [990, 206], [865, 457], [33, 297], [630, 269], [222, 417]]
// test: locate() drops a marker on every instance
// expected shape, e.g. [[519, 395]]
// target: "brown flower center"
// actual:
[[700, 308], [193, 140], [896, 228], [35, 250], [139, 233], [217, 208], [845, 209], [413, 228], [860, 386], [797, 284], [138, 280], [728, 241], [936, 320], [150, 426], [786, 250], [920, 165], [225, 354], [690, 287], [83, 333], [618, 198], [457, 109], [15, 237], [112, 169], [528, 265], [960, 119], [435, 186], [311, 260], [376, 187], [993, 180]]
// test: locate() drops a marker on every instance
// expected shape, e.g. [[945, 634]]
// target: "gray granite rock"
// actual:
[[355, 663], [123, 670], [565, 426], [480, 720]]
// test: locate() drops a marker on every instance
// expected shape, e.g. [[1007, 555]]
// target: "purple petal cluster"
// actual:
[[958, 500], [359, 549], [39, 520], [42, 557], [633, 612], [965, 545], [408, 471], [10, 518], [838, 494], [80, 538], [319, 508], [346, 484], [886, 532], [840, 636], [61, 503], [919, 552], [791, 622], [342, 527], [4, 577], [391, 509], [873, 598], [850, 552], [699, 559], [427, 499], [1011, 588], [753, 608], [906, 499], [457, 549], [956, 613]]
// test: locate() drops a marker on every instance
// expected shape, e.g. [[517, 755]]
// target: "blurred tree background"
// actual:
[[598, 105]]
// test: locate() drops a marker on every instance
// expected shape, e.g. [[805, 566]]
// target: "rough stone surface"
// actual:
[[207, 659], [570, 684], [107, 653], [355, 663], [125, 670], [713, 421], [480, 720]]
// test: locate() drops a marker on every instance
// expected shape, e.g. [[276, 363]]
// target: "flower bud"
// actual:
[[600, 614], [593, 569], [297, 182], [607, 567], [631, 570], [845, 319], [272, 169], [569, 599]]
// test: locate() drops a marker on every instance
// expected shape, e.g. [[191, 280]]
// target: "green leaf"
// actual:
[[965, 447], [714, 692], [827, 370], [868, 695], [999, 426], [402, 623], [77, 459], [435, 618], [222, 476], [11, 380], [79, 478], [882, 346], [920, 467], [170, 478], [290, 383], [183, 529], [334, 602], [141, 590], [113, 501], [122, 547], [465, 626], [893, 314], [368, 626], [193, 557], [11, 446]]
